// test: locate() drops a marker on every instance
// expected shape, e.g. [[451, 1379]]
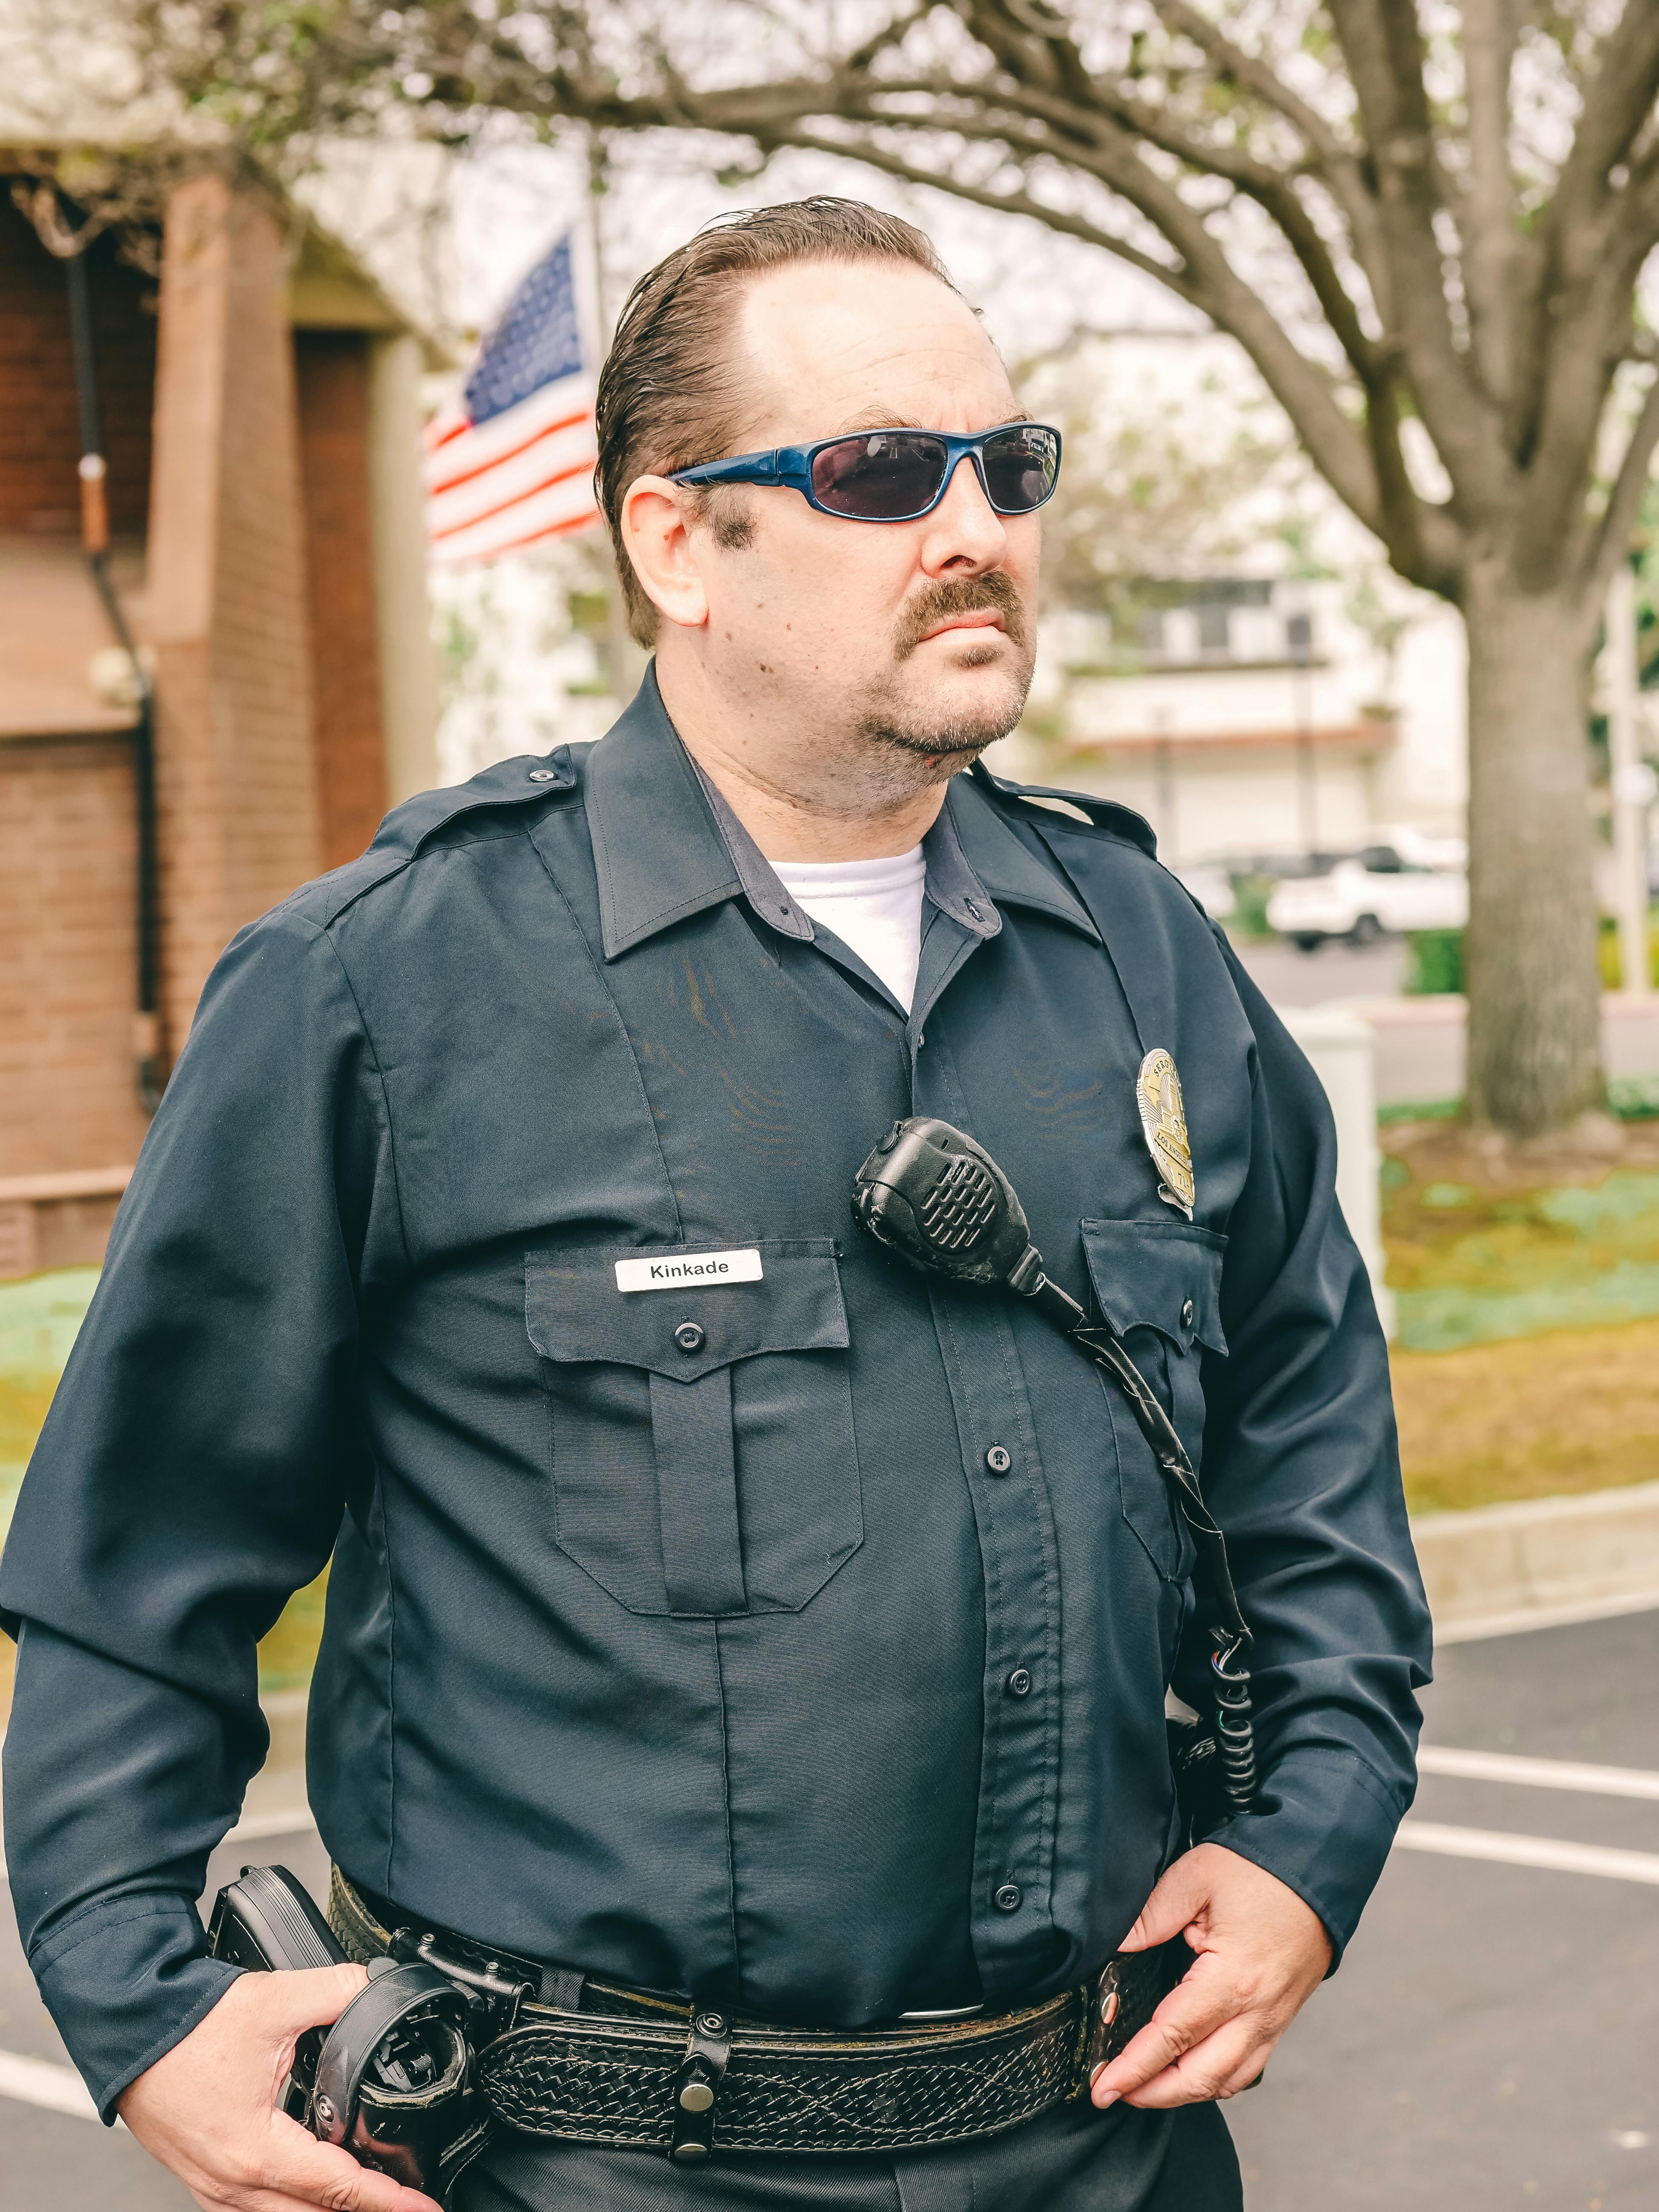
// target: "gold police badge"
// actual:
[[1163, 1122]]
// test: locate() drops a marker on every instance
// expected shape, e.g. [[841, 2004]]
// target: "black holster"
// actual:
[[391, 2082]]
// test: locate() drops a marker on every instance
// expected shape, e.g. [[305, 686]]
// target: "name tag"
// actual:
[[679, 1271]]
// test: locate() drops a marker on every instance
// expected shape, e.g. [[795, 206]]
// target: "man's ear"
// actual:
[[656, 529]]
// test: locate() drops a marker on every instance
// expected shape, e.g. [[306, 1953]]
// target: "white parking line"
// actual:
[[38, 2081], [1538, 1773], [1495, 1846]]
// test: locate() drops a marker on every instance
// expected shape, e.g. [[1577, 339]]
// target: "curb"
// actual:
[[1501, 1568]]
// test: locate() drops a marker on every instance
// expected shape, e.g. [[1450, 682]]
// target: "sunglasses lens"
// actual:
[[1021, 465], [882, 477]]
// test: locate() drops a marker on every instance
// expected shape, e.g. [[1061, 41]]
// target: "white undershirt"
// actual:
[[872, 906]]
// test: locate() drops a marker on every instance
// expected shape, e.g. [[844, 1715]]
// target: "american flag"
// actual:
[[512, 464]]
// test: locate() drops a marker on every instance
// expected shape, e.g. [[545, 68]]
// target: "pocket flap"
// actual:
[[1158, 1274], [574, 1311]]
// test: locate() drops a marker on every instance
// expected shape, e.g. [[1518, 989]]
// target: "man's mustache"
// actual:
[[961, 595]]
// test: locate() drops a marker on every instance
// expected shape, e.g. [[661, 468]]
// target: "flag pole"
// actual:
[[624, 655]]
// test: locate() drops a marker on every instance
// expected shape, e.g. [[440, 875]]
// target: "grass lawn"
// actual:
[[1525, 1359], [1536, 1416]]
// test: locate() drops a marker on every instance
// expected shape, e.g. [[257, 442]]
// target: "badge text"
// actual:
[[672, 1271]]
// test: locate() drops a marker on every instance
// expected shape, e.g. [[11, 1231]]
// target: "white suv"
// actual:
[[1374, 891]]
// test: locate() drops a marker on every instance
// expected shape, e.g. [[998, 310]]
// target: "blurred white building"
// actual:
[[1262, 682], [1253, 715]]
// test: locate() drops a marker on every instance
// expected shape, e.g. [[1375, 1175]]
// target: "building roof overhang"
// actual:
[[73, 103], [1362, 737]]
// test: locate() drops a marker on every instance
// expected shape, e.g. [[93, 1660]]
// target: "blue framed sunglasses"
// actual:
[[899, 476]]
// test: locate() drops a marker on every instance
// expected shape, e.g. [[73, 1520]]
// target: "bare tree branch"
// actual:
[[1336, 161], [1204, 278], [1619, 102], [1610, 541], [1382, 45], [1588, 328], [1490, 229], [892, 34], [1081, 132]]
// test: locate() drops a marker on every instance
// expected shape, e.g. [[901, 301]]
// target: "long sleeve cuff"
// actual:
[[1326, 1827], [126, 1980]]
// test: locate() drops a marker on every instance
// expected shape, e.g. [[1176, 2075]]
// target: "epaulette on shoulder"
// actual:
[[1120, 822], [527, 779]]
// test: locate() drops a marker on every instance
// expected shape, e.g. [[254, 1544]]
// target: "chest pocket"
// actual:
[[1159, 1285], [704, 1460]]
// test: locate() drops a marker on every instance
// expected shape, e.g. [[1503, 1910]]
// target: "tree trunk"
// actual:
[[1535, 1050]]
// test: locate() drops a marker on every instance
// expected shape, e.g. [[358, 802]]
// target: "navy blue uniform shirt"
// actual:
[[811, 1657]]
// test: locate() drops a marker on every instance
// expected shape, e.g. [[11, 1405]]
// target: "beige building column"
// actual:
[[409, 661]]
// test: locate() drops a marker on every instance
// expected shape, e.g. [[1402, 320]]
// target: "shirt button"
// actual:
[[544, 775], [1020, 1683], [688, 1336], [1006, 1899], [998, 1459], [1187, 1315]]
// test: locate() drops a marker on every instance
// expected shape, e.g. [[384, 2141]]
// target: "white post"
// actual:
[[1631, 784], [1338, 1045]]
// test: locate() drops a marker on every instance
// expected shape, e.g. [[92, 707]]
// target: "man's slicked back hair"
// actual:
[[672, 392]]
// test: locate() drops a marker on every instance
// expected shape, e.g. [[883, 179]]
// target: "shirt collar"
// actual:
[[666, 845], [1004, 862], [658, 850], [951, 883]]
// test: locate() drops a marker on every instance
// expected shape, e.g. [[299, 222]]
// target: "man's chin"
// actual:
[[953, 742]]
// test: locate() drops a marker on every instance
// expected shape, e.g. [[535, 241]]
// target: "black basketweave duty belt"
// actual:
[[589, 2062]]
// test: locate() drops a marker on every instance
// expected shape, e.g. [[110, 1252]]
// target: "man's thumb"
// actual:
[[1178, 1898], [312, 1997]]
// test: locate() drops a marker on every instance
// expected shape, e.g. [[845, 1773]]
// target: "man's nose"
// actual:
[[964, 532]]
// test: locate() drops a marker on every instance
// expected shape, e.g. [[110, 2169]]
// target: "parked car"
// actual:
[[1371, 892], [1278, 865]]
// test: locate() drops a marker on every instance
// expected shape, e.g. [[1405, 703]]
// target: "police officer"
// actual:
[[749, 1637]]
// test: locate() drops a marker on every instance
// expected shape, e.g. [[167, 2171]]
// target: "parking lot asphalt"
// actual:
[[1290, 978], [1491, 2041]]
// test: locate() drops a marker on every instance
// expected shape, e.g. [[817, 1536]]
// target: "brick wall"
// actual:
[[258, 601], [67, 835], [66, 922], [228, 601], [332, 369], [40, 432]]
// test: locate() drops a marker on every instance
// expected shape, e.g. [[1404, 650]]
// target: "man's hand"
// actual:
[[1261, 1953], [206, 2109]]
